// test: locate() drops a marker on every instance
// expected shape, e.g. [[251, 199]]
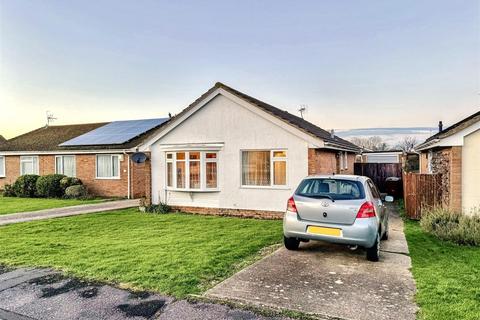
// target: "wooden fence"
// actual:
[[421, 191], [378, 172]]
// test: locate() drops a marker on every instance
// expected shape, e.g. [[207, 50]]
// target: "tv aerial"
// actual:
[[50, 118], [303, 110]]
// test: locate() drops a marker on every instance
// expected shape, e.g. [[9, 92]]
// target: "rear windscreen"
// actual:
[[335, 189]]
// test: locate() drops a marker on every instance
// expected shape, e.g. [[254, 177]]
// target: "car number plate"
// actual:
[[325, 231]]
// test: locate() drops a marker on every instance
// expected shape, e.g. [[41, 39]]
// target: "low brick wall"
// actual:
[[243, 213]]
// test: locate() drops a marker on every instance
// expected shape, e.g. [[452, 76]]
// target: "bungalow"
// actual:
[[455, 153], [229, 153], [97, 153]]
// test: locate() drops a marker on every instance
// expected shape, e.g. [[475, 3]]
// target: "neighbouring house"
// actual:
[[97, 153], [454, 153], [229, 153], [408, 160]]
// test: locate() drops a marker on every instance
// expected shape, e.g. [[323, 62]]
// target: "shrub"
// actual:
[[49, 186], [8, 191], [25, 186], [68, 182], [158, 208], [76, 192], [452, 226]]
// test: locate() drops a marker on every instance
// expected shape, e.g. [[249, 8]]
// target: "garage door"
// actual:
[[471, 171]]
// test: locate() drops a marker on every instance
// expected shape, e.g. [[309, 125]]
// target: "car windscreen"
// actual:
[[335, 189]]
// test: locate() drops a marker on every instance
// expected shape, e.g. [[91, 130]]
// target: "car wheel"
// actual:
[[373, 253], [291, 243], [385, 234]]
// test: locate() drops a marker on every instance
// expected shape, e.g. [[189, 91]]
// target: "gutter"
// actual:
[[426, 145], [340, 148]]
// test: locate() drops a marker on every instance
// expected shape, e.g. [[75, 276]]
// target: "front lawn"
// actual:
[[176, 254], [447, 276], [13, 204]]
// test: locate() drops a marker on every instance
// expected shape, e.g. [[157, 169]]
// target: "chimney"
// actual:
[[332, 133], [440, 126]]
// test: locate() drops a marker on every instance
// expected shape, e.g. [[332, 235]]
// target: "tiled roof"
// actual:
[[49, 138], [299, 123]]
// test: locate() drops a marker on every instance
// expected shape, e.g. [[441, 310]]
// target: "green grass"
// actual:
[[13, 205], [447, 276], [175, 254]]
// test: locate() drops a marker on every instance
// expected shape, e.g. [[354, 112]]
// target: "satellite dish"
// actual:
[[139, 157]]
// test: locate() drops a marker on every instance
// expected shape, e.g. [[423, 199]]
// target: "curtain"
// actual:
[[211, 168], [194, 174], [2, 166], [256, 168], [104, 166], [69, 166], [280, 173]]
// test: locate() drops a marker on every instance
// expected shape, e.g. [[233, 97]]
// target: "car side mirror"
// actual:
[[388, 199]]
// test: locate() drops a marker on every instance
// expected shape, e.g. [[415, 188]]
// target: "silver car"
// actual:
[[344, 209]]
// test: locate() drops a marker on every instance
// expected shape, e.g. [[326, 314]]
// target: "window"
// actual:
[[373, 189], [264, 168], [108, 166], [65, 165], [2, 166], [345, 159], [192, 170], [335, 189], [28, 165]]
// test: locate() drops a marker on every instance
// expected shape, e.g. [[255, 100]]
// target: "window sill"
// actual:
[[113, 178], [267, 187], [194, 190]]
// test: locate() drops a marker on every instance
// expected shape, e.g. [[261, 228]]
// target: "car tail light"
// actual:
[[367, 210], [291, 205]]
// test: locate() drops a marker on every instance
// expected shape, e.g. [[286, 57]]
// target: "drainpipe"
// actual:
[[128, 173]]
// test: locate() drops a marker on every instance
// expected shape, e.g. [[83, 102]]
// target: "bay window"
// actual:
[[108, 166], [28, 165], [264, 168], [2, 166], [65, 165], [191, 170]]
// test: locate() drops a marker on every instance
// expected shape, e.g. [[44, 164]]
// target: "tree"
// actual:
[[407, 144], [374, 143]]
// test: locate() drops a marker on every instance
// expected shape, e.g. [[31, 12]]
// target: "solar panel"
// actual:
[[116, 132]]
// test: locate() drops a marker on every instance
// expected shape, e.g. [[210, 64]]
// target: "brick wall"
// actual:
[[326, 162], [456, 179], [85, 171], [86, 164], [12, 170], [140, 179], [256, 214]]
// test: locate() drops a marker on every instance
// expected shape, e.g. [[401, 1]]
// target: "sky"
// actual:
[[355, 64]]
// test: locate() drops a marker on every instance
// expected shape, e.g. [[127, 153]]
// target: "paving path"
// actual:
[[42, 294], [330, 281], [66, 211]]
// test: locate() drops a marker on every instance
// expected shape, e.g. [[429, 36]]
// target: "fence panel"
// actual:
[[421, 191], [378, 172]]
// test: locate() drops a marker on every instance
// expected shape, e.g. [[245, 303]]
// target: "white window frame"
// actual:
[[3, 166], [272, 159], [24, 159], [345, 158], [62, 164], [111, 158], [203, 170]]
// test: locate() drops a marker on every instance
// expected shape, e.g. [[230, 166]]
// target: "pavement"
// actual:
[[43, 294], [330, 281], [66, 211]]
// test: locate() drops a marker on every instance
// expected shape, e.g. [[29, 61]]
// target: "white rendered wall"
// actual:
[[224, 121]]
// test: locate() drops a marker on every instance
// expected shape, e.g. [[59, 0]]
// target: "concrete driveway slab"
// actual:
[[330, 280]]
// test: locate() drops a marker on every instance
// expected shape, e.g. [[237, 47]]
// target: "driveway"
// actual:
[[67, 211], [330, 280], [29, 294]]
